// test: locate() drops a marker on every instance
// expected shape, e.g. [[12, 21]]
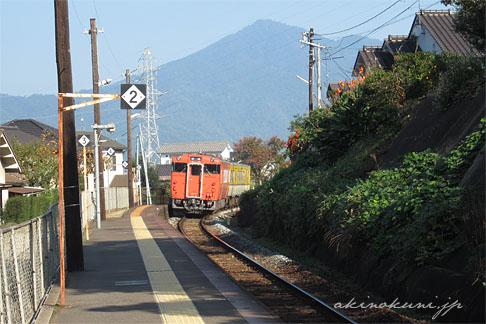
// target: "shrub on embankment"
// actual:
[[412, 212], [20, 208], [335, 201]]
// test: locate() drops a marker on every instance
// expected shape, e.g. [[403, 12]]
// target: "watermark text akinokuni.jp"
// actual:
[[441, 310]]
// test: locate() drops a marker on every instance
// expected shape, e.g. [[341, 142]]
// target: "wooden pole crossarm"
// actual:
[[102, 97]]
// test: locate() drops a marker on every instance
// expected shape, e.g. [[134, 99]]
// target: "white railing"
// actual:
[[115, 198]]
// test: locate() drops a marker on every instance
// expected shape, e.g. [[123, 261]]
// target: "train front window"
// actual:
[[179, 167], [196, 170], [211, 168]]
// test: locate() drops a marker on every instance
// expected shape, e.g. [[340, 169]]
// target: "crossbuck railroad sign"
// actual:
[[133, 96]]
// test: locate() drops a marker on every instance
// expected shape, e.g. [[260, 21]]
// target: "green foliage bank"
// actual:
[[334, 195]]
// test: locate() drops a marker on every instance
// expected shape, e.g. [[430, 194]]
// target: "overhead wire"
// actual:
[[76, 14], [362, 23], [105, 38], [375, 29]]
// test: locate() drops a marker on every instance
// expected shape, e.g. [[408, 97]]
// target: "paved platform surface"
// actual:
[[138, 269]]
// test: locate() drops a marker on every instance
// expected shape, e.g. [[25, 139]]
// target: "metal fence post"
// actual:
[[32, 260], [3, 285], [17, 277], [41, 260]]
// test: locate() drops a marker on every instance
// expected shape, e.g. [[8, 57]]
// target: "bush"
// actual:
[[19, 208], [461, 77], [417, 73], [371, 107], [408, 212], [412, 212]]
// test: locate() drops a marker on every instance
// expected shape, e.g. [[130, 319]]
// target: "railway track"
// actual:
[[286, 300]]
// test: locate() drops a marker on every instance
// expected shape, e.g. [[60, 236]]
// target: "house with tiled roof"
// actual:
[[371, 57], [32, 127], [14, 134], [432, 31], [219, 149]]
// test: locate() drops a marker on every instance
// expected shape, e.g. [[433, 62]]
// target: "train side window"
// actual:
[[211, 168], [179, 167], [196, 170], [241, 176]]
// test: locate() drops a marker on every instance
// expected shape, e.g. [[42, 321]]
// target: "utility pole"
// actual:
[[129, 145], [311, 69], [68, 152], [93, 31]]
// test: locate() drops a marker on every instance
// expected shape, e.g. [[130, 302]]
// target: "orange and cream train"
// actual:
[[202, 183]]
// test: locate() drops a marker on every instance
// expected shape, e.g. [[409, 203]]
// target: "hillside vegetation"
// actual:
[[337, 201]]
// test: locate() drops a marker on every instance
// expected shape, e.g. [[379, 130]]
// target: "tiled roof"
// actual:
[[14, 133], [186, 148], [107, 142], [32, 127], [440, 25], [24, 190], [371, 57], [396, 44]]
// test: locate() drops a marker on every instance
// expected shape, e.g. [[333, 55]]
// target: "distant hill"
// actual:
[[243, 85]]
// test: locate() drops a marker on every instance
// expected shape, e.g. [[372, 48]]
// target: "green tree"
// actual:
[[469, 20], [39, 162], [263, 157]]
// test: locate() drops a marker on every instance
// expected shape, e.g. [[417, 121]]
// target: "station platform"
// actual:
[[139, 269]]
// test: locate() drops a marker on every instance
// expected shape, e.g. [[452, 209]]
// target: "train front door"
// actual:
[[194, 181]]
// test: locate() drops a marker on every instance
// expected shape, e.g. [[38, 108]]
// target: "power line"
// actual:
[[364, 22], [76, 13], [105, 38], [377, 28]]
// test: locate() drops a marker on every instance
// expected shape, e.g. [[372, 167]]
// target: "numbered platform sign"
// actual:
[[133, 96], [83, 139]]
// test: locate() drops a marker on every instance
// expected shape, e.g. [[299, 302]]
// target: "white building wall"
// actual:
[[425, 40], [4, 191], [165, 159]]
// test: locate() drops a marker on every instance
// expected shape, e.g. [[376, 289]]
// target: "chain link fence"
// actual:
[[29, 262]]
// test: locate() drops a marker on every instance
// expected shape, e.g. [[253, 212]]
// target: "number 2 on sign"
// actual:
[[134, 93]]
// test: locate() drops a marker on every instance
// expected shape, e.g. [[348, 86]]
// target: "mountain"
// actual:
[[243, 85]]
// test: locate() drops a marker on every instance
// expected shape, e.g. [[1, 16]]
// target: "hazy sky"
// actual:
[[171, 29]]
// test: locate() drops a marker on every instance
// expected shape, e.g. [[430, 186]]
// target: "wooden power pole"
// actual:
[[74, 240], [311, 69], [93, 31], [129, 153]]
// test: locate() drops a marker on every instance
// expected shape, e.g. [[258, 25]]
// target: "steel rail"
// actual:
[[316, 301]]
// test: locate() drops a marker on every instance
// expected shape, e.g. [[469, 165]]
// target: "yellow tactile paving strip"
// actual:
[[138, 211], [174, 304]]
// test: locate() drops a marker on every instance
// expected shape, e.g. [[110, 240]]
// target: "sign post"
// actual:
[[84, 140]]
